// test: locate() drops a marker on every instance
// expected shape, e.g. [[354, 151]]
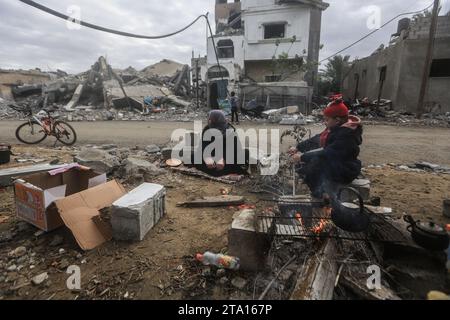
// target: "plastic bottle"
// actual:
[[218, 260]]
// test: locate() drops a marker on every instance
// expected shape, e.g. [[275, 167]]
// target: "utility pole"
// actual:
[[428, 60], [196, 83]]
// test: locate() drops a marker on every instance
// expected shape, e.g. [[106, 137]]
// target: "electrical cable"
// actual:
[[374, 31], [125, 34], [99, 28]]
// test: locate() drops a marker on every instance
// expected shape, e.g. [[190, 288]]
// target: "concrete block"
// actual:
[[245, 243], [136, 213]]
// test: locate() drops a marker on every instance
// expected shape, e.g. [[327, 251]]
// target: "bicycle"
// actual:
[[36, 129]]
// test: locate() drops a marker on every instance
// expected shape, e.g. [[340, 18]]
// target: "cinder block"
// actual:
[[245, 243], [135, 214]]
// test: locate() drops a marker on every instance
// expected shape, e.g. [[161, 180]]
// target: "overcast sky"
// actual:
[[30, 38]]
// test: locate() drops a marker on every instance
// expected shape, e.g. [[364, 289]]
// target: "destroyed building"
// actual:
[[16, 82], [396, 72], [263, 48]]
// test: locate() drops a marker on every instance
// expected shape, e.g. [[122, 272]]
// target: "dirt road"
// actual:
[[382, 144]]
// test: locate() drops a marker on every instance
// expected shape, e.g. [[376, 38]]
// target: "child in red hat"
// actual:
[[332, 156]]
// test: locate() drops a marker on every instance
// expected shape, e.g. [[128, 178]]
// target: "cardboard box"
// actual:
[[70, 196], [35, 193], [80, 213]]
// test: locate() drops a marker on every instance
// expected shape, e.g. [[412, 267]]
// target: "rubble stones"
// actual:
[[57, 240], [206, 272], [221, 273], [239, 283], [39, 279], [6, 236], [135, 166], [152, 149], [99, 160], [108, 146], [18, 252], [12, 267]]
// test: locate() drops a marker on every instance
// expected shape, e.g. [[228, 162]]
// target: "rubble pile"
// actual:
[[103, 93], [382, 112]]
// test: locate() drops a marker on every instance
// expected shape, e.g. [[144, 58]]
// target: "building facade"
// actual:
[[395, 73], [262, 41]]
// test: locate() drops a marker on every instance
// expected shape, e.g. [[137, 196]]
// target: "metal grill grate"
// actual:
[[380, 230]]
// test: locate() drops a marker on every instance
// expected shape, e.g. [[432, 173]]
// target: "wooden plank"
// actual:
[[7, 176], [199, 174], [318, 275], [361, 290], [220, 201]]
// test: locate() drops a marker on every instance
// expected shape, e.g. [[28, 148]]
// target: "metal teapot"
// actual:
[[348, 216], [428, 235]]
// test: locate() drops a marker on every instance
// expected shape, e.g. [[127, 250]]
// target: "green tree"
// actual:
[[332, 76]]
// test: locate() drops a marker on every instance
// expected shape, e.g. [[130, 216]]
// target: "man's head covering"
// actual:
[[336, 109]]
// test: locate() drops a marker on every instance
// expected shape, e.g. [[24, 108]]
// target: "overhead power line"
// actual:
[[374, 31], [121, 33], [99, 28]]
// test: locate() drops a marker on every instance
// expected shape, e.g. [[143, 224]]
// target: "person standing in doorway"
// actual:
[[234, 101]]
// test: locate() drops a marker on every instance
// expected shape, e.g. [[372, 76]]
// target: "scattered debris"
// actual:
[[219, 201], [39, 279]]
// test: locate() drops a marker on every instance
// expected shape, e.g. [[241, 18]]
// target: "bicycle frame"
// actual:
[[48, 128]]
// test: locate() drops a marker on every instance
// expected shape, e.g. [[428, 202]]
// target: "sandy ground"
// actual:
[[161, 266], [382, 144]]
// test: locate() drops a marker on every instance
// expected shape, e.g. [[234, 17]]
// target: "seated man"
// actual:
[[216, 165], [332, 156]]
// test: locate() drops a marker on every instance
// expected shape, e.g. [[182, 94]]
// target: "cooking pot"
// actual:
[[428, 234], [349, 216], [5, 153]]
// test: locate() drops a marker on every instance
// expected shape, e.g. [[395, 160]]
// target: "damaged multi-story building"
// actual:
[[266, 50], [395, 73]]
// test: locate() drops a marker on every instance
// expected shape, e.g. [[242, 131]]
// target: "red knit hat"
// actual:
[[336, 109]]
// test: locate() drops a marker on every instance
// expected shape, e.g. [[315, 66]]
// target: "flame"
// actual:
[[320, 227]]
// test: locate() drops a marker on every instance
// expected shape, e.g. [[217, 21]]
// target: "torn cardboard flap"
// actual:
[[80, 213]]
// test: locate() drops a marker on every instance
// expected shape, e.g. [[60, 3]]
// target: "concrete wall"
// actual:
[[13, 78], [405, 63], [224, 10], [413, 63], [297, 19], [258, 70], [315, 29], [421, 29], [234, 65]]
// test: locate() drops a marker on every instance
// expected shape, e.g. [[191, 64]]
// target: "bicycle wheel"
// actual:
[[30, 133], [65, 133]]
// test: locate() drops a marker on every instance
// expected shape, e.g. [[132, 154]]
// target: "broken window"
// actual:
[[440, 68], [273, 78], [364, 74], [383, 71], [225, 49], [218, 72], [274, 31]]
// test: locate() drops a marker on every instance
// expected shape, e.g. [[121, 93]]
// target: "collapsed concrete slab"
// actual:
[[99, 160], [136, 213]]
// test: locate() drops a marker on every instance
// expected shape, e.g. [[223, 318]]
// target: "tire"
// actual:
[[69, 130], [21, 131]]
